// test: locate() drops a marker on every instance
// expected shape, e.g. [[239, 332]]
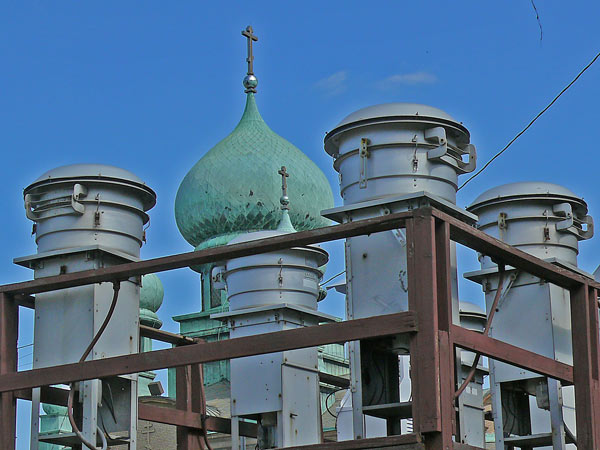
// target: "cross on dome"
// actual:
[[284, 200], [250, 81]]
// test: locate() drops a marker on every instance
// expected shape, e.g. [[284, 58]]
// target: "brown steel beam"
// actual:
[[313, 336], [510, 354], [431, 359], [152, 413], [125, 271], [49, 394], [334, 380], [449, 360], [27, 301], [459, 446], [191, 419], [188, 400], [9, 330], [403, 442], [489, 246], [165, 336], [584, 326]]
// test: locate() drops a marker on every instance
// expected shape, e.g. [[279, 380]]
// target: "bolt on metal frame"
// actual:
[[428, 321]]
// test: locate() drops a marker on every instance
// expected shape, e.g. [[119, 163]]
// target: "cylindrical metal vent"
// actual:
[[544, 219], [287, 276], [83, 204], [88, 216], [399, 148]]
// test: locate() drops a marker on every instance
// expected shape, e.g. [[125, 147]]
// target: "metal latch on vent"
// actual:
[[363, 153], [572, 223], [502, 221], [35, 207], [437, 136]]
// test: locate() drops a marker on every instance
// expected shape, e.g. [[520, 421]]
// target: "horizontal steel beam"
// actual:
[[165, 336], [125, 271], [403, 442], [313, 336], [334, 380], [190, 419], [509, 255], [510, 354], [152, 413]]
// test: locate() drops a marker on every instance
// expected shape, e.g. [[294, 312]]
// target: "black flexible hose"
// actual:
[[488, 325], [111, 310]]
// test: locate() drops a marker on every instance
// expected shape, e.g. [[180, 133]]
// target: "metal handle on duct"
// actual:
[[437, 135], [34, 209], [572, 223]]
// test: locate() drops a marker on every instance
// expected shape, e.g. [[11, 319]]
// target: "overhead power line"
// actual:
[[532, 122]]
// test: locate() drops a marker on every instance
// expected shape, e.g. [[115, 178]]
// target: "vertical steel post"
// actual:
[[449, 357], [9, 327], [584, 324], [188, 398], [431, 418]]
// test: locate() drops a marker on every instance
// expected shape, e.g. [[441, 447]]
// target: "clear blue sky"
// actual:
[[151, 86]]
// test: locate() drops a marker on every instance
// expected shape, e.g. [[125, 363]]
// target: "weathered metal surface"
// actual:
[[191, 419], [459, 232], [501, 351], [214, 351], [9, 322], [543, 219], [189, 400], [124, 271], [165, 336], [584, 318], [333, 380], [152, 413], [432, 372], [404, 442], [486, 244], [425, 371]]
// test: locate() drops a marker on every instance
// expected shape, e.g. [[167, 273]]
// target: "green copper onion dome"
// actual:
[[233, 188], [151, 298]]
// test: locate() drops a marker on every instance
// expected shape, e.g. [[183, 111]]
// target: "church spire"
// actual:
[[285, 224], [250, 81]]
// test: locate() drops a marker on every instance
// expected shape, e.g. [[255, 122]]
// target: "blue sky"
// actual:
[[151, 86]]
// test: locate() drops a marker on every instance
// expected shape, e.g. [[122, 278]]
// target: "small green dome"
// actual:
[[151, 298], [234, 188], [216, 241]]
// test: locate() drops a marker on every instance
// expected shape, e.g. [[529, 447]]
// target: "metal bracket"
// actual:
[[79, 192], [571, 223], [437, 135], [363, 153], [502, 225], [34, 208]]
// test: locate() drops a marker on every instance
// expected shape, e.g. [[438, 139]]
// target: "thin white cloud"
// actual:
[[333, 84], [407, 79]]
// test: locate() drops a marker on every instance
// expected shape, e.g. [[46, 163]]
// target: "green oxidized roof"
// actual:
[[151, 298], [235, 188]]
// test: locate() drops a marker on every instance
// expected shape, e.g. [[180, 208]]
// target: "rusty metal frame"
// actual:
[[428, 322]]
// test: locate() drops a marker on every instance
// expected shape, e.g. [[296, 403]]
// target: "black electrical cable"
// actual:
[[532, 122], [203, 411], [488, 325], [335, 391], [569, 433], [111, 310]]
